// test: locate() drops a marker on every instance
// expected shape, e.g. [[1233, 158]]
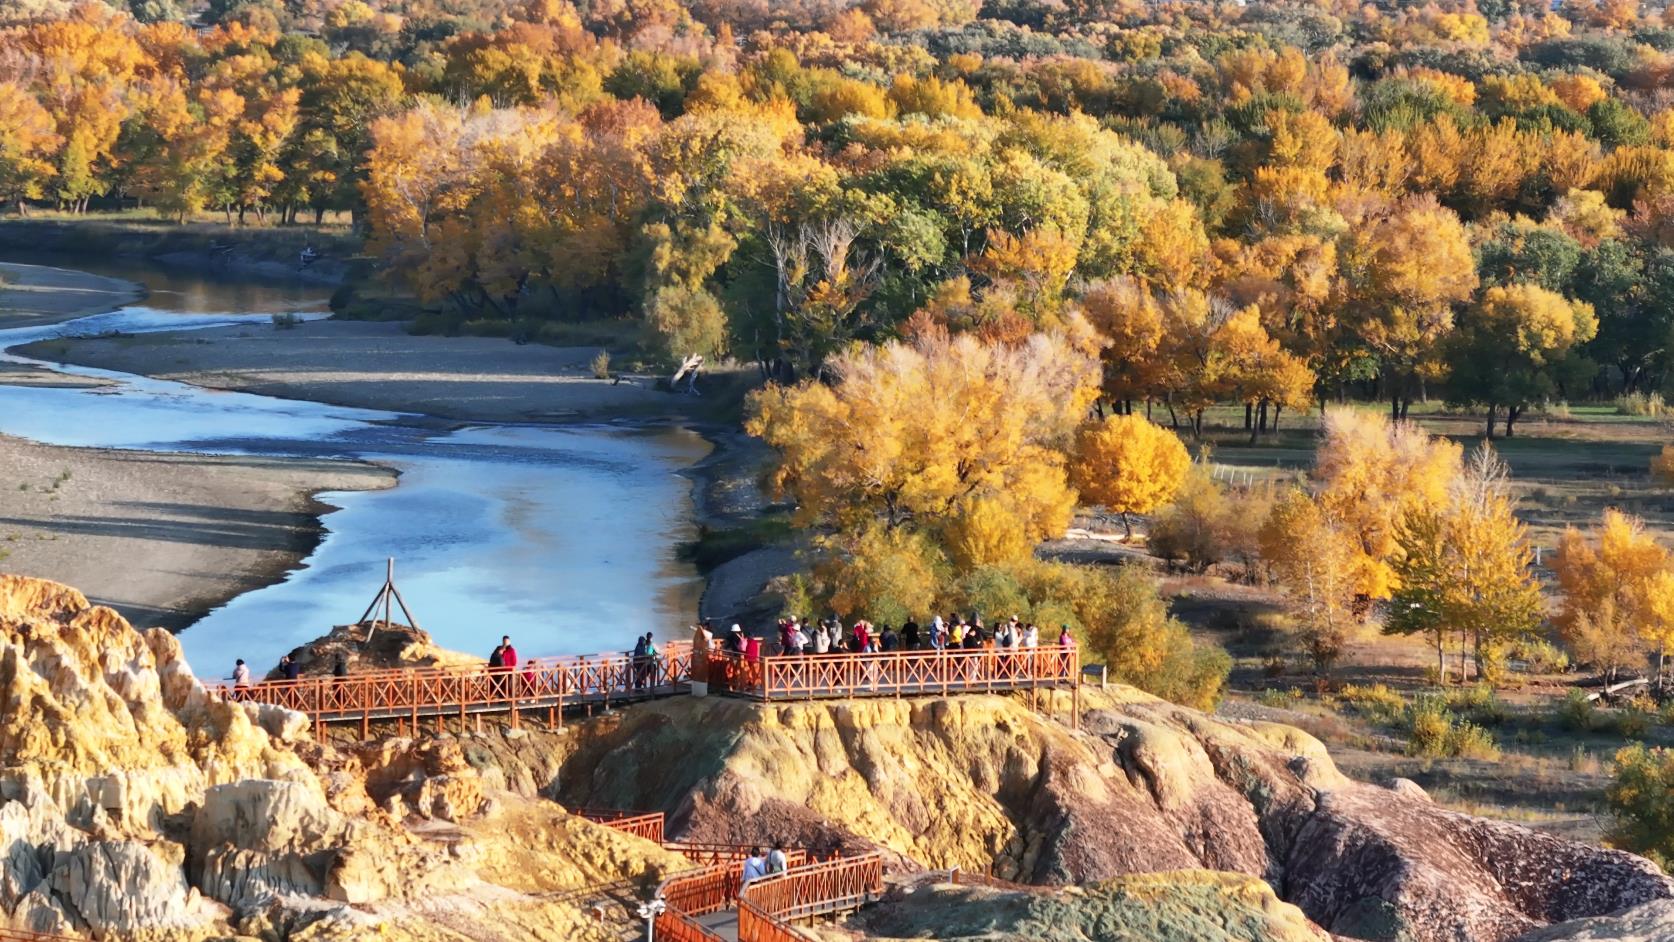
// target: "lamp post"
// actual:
[[649, 911]]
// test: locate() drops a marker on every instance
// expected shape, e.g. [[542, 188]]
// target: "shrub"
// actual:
[[1376, 702], [1479, 704], [1123, 621], [1279, 699], [1539, 656], [1642, 800], [601, 365], [1576, 713], [1194, 529], [1434, 732], [1640, 404]]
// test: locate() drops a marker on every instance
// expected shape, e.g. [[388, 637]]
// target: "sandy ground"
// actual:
[[380, 366], [161, 537], [36, 294]]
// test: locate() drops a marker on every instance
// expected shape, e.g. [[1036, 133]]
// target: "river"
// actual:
[[561, 536]]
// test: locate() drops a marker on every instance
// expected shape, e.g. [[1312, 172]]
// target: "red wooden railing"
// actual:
[[552, 684], [767, 907], [895, 673], [648, 826], [549, 684]]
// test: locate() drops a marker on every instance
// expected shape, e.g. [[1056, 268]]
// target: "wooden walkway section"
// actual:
[[709, 903], [898, 674], [546, 688]]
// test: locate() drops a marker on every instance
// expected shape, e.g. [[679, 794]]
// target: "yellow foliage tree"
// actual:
[[1317, 562], [1129, 465], [946, 435], [1464, 566], [1369, 472], [1611, 586]]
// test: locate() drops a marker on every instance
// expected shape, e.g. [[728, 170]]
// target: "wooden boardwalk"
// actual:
[[546, 688]]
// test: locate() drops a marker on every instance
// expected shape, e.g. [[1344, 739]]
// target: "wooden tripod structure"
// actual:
[[388, 598]]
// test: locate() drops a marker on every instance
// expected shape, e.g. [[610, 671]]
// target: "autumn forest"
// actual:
[[991, 264]]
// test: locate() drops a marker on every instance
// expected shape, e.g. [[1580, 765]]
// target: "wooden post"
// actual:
[[365, 722]]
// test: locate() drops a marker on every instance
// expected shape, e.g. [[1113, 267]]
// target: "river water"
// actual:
[[561, 536]]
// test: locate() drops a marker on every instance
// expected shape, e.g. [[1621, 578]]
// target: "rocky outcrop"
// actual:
[[391, 646], [134, 805], [1182, 906], [983, 782], [1652, 922]]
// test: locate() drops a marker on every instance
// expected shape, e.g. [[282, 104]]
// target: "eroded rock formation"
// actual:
[[983, 782], [134, 805], [1178, 906]]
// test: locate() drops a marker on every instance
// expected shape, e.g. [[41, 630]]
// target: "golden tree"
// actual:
[[1316, 561], [1369, 472], [1129, 465], [27, 142], [1464, 566], [1611, 585], [947, 436]]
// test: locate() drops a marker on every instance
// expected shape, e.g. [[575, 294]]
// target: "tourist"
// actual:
[[1067, 642], [861, 642], [640, 644], [799, 638], [909, 635], [340, 668], [777, 862], [755, 867], [289, 669], [241, 674], [735, 640], [938, 633], [653, 658], [889, 640], [956, 635], [1031, 636], [497, 658], [508, 654], [822, 639]]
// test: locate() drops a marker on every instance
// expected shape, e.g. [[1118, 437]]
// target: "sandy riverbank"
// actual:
[[163, 538], [380, 366]]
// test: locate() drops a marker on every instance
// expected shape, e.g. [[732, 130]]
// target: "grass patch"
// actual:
[[714, 546]]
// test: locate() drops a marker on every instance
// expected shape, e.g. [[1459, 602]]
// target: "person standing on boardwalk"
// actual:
[[755, 867], [241, 674], [641, 643], [777, 862]]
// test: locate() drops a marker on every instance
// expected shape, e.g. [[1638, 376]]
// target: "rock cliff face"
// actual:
[[134, 805], [983, 782], [1179, 906]]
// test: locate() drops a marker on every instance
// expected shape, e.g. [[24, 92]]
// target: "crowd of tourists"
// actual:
[[798, 637]]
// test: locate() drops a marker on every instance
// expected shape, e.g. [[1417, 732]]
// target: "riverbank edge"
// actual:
[[124, 292], [299, 542], [201, 247]]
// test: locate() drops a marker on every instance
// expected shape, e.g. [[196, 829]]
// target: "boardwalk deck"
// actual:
[[552, 686]]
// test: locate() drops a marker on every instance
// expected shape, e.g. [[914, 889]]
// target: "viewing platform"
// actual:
[[546, 687]]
